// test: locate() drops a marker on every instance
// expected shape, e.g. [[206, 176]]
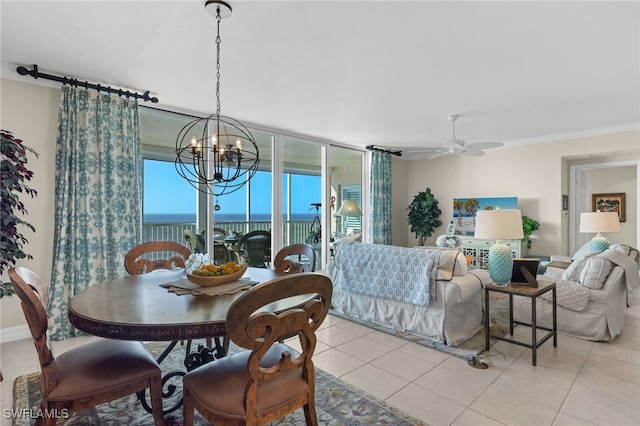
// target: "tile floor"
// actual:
[[577, 383]]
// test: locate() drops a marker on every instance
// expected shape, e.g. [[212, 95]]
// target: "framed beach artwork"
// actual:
[[610, 202], [465, 209]]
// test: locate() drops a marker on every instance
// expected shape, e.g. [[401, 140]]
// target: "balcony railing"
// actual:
[[297, 230]]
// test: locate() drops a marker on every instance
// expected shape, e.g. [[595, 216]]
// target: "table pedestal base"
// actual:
[[193, 359]]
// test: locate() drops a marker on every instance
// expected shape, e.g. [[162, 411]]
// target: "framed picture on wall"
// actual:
[[610, 202], [464, 210]]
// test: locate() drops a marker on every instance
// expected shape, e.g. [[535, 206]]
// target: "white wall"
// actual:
[[31, 113], [537, 174]]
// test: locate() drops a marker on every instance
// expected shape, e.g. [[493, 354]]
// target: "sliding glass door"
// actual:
[[302, 206], [249, 208], [347, 195], [296, 193]]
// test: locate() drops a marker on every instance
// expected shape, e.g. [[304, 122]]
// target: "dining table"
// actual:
[[138, 307]]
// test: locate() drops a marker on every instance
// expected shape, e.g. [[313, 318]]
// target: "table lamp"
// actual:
[[349, 208], [499, 225], [599, 222]]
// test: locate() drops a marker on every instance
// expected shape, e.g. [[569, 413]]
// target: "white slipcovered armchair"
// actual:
[[591, 294]]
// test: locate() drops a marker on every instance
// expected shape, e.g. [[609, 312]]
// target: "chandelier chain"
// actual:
[[216, 154], [218, 40]]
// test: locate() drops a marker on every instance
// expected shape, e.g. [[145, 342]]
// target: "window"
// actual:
[[171, 204], [352, 225]]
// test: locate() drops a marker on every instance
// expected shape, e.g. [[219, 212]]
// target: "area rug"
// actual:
[[499, 326], [337, 403]]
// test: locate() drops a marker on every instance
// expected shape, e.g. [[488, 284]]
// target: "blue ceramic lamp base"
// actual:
[[598, 243], [500, 263]]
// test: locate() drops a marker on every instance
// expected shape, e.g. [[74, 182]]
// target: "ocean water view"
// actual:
[[219, 217]]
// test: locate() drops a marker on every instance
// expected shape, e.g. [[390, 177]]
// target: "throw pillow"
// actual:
[[572, 273], [585, 250], [620, 247], [595, 272], [452, 263]]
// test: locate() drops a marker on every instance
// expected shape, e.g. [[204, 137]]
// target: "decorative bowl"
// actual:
[[219, 279], [448, 240]]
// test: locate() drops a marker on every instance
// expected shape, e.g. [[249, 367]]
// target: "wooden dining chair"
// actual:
[[88, 375], [295, 258], [135, 265], [270, 379], [255, 247], [152, 252]]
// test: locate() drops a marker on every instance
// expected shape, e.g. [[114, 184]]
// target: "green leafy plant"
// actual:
[[423, 215], [528, 227], [14, 175]]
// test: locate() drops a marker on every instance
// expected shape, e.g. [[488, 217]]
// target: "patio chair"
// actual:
[[255, 248], [88, 375], [295, 258], [195, 241], [269, 379]]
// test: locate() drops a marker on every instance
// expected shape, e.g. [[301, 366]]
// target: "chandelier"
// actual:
[[216, 154]]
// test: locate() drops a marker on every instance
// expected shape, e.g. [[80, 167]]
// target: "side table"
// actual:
[[522, 290]]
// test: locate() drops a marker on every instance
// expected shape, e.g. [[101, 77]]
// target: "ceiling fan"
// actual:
[[455, 146]]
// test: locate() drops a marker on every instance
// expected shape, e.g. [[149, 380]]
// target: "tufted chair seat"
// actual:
[[225, 395]]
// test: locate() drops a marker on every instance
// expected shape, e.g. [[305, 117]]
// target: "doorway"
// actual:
[[580, 199]]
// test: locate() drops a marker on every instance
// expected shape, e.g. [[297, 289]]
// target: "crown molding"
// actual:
[[575, 135]]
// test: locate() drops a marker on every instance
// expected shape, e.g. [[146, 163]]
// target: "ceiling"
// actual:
[[386, 73]]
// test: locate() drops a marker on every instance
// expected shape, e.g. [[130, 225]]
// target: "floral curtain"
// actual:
[[98, 196], [380, 196]]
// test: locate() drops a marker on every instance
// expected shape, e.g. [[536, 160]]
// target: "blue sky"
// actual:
[[167, 192]]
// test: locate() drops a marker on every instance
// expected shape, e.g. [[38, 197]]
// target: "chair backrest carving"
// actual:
[[136, 265], [251, 326], [33, 297], [305, 262]]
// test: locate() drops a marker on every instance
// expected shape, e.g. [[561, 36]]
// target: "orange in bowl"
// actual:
[[230, 272]]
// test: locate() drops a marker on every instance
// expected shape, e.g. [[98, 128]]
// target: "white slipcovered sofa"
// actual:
[[427, 291], [591, 294]]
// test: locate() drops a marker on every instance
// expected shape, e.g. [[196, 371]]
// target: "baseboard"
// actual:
[[14, 333]]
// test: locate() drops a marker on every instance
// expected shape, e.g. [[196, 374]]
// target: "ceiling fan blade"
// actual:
[[428, 150], [453, 143], [485, 145], [440, 154], [472, 153]]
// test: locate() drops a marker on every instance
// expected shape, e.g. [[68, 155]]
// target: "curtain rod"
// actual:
[[96, 86], [376, 148]]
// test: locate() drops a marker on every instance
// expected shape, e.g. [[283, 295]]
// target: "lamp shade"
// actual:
[[349, 208], [499, 225], [599, 222]]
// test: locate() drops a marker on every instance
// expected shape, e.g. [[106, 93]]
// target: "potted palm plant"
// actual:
[[14, 175]]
